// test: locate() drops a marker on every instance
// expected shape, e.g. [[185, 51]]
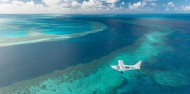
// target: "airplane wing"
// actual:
[[120, 63]]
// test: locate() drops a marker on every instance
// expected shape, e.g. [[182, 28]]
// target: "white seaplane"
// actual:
[[121, 67]]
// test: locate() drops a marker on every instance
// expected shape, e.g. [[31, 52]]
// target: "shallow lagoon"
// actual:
[[159, 46], [22, 30]]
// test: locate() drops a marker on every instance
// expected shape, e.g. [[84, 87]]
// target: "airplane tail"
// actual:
[[138, 65]]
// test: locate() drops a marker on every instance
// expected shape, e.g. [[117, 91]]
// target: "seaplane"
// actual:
[[122, 67]]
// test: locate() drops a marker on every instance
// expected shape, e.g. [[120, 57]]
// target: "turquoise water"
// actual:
[[160, 42], [22, 30], [99, 78]]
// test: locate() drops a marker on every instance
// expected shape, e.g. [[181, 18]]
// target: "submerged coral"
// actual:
[[170, 79], [13, 33], [92, 78], [95, 77]]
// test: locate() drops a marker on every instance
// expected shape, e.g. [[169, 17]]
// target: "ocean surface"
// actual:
[[72, 54]]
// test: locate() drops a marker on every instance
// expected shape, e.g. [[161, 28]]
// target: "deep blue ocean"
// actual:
[[32, 46]]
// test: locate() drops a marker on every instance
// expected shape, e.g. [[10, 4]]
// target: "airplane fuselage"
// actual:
[[121, 67]]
